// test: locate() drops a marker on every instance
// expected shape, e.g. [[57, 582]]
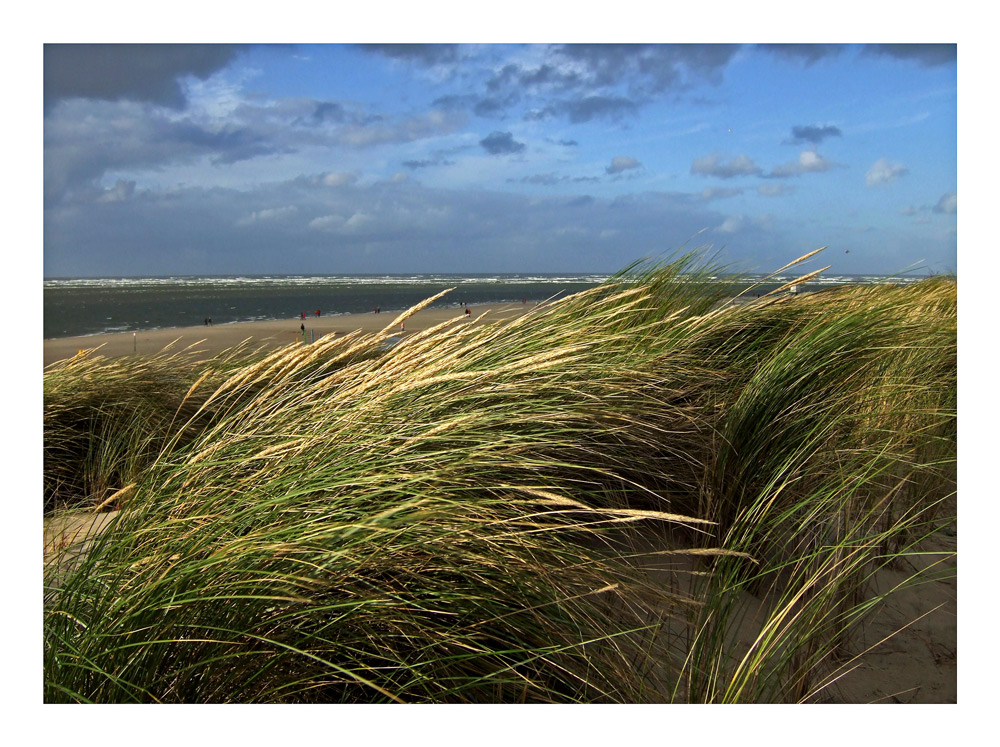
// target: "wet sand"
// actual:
[[213, 339]]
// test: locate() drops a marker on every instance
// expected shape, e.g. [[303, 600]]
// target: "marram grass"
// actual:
[[458, 517]]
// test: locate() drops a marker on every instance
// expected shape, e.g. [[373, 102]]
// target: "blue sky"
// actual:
[[538, 157]]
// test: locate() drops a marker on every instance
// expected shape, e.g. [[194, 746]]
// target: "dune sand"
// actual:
[[214, 339]]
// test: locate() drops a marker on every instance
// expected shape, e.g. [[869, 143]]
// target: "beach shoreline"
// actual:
[[210, 340]]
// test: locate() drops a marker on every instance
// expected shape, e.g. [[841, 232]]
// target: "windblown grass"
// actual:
[[441, 520], [106, 420]]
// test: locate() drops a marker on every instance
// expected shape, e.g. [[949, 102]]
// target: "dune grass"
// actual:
[[449, 519]]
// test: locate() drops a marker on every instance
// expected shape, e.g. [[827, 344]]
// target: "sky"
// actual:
[[380, 158]]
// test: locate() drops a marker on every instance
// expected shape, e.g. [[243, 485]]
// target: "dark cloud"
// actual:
[[316, 114], [495, 106], [548, 77], [648, 68], [812, 134], [544, 78], [85, 139], [551, 179], [925, 54], [230, 144], [540, 115], [807, 53], [137, 72], [500, 143], [675, 66], [584, 109], [453, 102], [328, 111], [427, 163], [509, 75], [594, 107], [563, 142], [946, 205], [542, 179], [584, 82], [422, 54]]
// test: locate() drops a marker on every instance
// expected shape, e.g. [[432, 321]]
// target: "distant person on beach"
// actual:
[[468, 311], [317, 312], [206, 321]]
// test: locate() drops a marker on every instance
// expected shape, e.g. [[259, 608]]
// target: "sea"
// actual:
[[89, 306]]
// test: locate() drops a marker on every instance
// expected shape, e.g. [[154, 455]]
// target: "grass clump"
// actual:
[[456, 518]]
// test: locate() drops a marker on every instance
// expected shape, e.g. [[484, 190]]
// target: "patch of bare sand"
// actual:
[[70, 533], [914, 633], [906, 647]]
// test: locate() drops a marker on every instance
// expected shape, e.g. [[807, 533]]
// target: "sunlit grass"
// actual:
[[442, 520]]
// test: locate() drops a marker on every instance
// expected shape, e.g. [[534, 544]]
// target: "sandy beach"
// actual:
[[213, 339]]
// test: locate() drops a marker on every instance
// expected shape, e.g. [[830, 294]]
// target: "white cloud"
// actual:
[[622, 163], [381, 131], [338, 179], [884, 171], [947, 204], [713, 165], [773, 190], [327, 223], [359, 221], [809, 161], [267, 214], [719, 193], [733, 223], [121, 191]]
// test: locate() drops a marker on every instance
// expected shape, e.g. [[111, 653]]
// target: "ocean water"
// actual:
[[88, 306]]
